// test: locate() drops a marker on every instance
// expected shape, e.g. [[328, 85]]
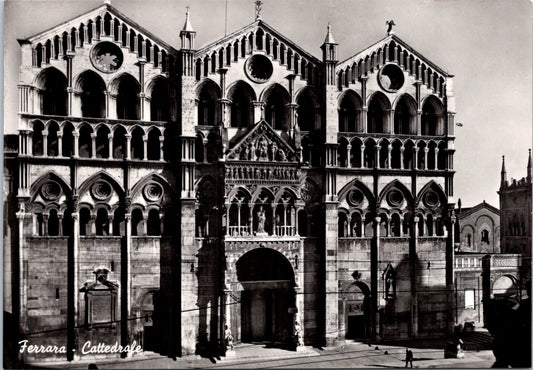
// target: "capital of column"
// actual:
[[93, 135]]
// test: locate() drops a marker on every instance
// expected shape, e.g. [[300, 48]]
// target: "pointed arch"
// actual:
[[398, 185], [357, 184], [101, 175]]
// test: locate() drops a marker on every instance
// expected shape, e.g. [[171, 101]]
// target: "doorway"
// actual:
[[268, 298]]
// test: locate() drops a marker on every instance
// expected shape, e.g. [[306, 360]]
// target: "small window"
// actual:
[[469, 299], [485, 236], [469, 240]]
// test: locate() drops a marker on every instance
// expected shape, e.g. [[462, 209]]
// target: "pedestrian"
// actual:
[[408, 357]]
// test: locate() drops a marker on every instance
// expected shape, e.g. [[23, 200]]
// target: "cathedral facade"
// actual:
[[160, 194]]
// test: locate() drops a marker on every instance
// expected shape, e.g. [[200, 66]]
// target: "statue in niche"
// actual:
[[261, 218], [280, 156], [251, 151], [274, 150], [389, 277], [262, 150], [244, 152]]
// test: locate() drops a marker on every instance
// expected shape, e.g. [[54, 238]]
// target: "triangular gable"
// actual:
[[262, 143], [237, 35], [484, 205], [92, 15], [384, 42]]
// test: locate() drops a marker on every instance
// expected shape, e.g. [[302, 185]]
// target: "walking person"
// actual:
[[408, 357]]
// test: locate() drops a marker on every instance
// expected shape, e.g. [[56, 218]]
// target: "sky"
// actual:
[[486, 44]]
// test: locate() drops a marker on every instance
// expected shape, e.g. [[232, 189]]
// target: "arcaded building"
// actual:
[[158, 194], [478, 229]]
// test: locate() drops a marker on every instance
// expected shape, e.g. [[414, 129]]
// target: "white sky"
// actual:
[[486, 44]]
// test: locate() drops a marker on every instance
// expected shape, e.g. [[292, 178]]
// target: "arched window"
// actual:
[[53, 91], [370, 154], [213, 147], [137, 222], [276, 108], [118, 222], [349, 113], [85, 142], [53, 223], [92, 96], [356, 225], [429, 225], [432, 117], [102, 142], [137, 143], [85, 218], [128, 98], [159, 101], [404, 116], [421, 224], [154, 152], [378, 111], [241, 107], [53, 148], [469, 240], [306, 112], [485, 236], [102, 222], [37, 138], [68, 140], [154, 223], [395, 226], [342, 152], [355, 154], [119, 142]]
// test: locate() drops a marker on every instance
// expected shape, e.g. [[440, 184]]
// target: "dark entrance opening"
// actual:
[[357, 312], [151, 322], [268, 298]]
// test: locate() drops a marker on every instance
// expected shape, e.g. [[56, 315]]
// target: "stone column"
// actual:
[[45, 142], [59, 143], [228, 205], [426, 150], [376, 156], [348, 153], [415, 166], [93, 145], [76, 135], [145, 147], [110, 146], [402, 150], [436, 162], [362, 156], [389, 154], [127, 154], [161, 146]]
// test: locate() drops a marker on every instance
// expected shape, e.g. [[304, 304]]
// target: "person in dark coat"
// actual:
[[408, 357]]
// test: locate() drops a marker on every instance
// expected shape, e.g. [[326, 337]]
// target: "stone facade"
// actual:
[[161, 194], [515, 208], [478, 229]]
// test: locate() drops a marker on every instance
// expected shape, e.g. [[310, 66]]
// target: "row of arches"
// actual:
[[90, 31], [103, 222], [384, 153], [359, 225], [258, 40], [392, 52], [99, 141], [383, 117], [121, 99], [275, 103]]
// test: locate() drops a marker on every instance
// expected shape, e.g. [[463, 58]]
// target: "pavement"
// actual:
[[427, 354]]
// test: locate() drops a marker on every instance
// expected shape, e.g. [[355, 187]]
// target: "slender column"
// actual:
[[436, 162], [389, 153], [76, 136], [119, 36], [145, 147], [362, 156], [228, 205], [239, 206], [45, 142], [110, 146], [161, 148], [402, 150], [390, 123], [376, 156], [127, 155], [93, 147], [77, 38], [348, 152], [415, 166], [128, 39], [401, 59], [127, 224], [426, 150], [110, 224], [45, 223], [263, 44], [59, 143]]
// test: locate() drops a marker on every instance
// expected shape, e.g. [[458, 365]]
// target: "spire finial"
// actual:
[[329, 37], [258, 4], [503, 173], [187, 26], [389, 29]]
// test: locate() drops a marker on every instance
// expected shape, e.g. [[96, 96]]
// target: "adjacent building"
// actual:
[[159, 194]]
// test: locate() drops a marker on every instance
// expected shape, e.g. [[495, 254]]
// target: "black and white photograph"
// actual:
[[267, 184]]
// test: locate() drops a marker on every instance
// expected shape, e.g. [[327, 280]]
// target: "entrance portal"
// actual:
[[357, 312], [268, 298]]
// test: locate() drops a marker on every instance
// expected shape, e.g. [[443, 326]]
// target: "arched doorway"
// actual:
[[268, 298], [357, 311], [151, 321]]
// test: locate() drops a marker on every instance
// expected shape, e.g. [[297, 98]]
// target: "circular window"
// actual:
[[153, 192], [394, 198], [51, 190], [101, 190], [431, 199], [258, 68], [107, 57], [391, 78], [355, 197]]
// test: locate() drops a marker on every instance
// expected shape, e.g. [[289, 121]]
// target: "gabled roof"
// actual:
[[392, 37], [251, 141], [465, 212], [258, 23], [91, 15]]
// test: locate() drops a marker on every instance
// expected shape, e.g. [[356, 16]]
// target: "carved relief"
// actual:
[[262, 143]]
